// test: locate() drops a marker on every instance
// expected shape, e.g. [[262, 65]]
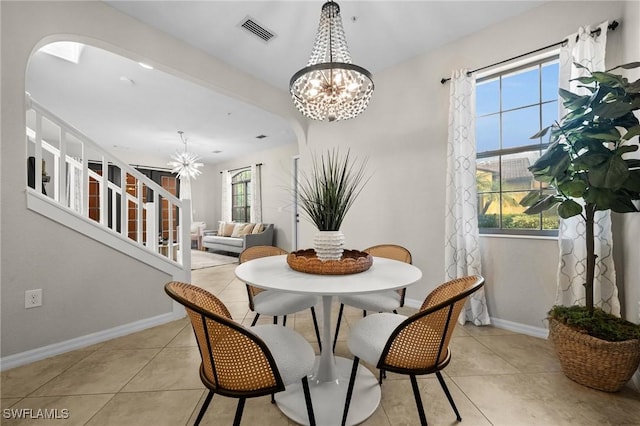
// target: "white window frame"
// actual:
[[492, 74]]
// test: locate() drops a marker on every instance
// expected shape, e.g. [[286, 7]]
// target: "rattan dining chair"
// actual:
[[276, 303], [414, 345], [382, 301], [241, 362]]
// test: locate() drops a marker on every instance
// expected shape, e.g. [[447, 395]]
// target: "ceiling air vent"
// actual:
[[256, 29]]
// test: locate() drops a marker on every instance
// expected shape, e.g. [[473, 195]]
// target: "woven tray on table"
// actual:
[[353, 261]]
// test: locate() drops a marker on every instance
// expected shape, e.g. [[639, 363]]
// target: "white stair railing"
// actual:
[[79, 175]]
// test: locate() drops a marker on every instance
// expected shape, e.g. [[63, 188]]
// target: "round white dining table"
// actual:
[[328, 384]]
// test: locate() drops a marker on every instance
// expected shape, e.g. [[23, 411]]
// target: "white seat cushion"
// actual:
[[370, 334], [382, 301], [294, 356], [272, 302], [214, 239]]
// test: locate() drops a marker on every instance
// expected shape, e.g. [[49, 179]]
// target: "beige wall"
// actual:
[[276, 194], [403, 133], [87, 287], [628, 252]]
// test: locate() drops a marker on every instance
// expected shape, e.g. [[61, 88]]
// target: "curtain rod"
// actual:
[[240, 168], [612, 26]]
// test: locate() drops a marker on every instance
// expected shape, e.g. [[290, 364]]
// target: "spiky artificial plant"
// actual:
[[327, 194]]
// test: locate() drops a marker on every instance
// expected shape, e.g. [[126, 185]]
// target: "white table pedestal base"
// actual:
[[328, 397]]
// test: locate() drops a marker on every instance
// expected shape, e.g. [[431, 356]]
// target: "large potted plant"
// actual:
[[327, 194], [589, 165]]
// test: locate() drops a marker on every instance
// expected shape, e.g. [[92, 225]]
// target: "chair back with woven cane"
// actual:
[[395, 252], [390, 251], [385, 300], [235, 362], [256, 252], [420, 345]]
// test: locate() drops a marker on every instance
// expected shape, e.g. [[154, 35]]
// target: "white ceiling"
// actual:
[[139, 117], [149, 112]]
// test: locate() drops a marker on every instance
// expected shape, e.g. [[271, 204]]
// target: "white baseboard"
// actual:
[[528, 330], [38, 354], [540, 332]]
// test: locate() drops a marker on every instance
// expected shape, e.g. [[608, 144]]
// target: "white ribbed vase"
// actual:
[[329, 245]]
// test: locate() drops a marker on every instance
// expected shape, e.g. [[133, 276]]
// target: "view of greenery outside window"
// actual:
[[511, 106], [241, 196]]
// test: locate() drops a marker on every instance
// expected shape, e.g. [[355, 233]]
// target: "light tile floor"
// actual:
[[151, 378]]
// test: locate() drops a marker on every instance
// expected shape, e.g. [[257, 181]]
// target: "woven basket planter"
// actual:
[[596, 363]]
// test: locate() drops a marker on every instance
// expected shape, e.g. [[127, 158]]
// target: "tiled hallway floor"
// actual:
[[151, 378]]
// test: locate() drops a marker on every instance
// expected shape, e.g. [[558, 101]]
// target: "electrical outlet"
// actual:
[[33, 298]]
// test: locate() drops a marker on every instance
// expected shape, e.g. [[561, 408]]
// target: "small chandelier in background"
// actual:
[[185, 163], [330, 86]]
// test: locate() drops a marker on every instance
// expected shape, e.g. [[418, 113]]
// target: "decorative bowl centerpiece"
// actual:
[[351, 262]]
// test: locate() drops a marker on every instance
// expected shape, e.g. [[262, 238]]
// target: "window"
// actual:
[[241, 196], [511, 106]]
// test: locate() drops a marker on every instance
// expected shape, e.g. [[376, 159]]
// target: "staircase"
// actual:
[[76, 182]]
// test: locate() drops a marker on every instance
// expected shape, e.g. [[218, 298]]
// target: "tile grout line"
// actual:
[[471, 400], [152, 358], [89, 353], [135, 375], [496, 354]]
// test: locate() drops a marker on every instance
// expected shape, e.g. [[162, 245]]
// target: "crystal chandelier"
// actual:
[[184, 163], [330, 86]]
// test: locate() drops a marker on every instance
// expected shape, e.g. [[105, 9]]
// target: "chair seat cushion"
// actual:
[[294, 356], [274, 303], [369, 335], [382, 301]]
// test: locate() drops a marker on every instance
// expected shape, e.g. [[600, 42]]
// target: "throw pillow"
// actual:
[[221, 228], [228, 229], [257, 229], [247, 229], [238, 229]]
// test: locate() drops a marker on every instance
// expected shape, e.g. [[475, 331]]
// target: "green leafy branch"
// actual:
[[585, 156], [586, 160]]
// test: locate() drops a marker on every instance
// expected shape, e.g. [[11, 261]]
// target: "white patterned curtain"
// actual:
[[225, 202], [256, 194], [462, 250], [588, 51]]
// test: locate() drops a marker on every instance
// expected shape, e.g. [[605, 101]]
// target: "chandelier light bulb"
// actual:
[[330, 86], [185, 164]]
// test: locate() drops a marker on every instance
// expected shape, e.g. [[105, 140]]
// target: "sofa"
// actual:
[[235, 237]]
